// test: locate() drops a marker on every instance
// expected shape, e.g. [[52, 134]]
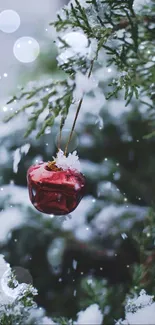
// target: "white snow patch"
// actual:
[[139, 310], [71, 162], [83, 3], [12, 127], [94, 103], [111, 215], [78, 223], [14, 292], [77, 45], [16, 160], [84, 233], [91, 316], [104, 73], [47, 321], [139, 3], [91, 103], [4, 155], [4, 267], [74, 264], [76, 40], [15, 195], [9, 219], [118, 110], [19, 152], [83, 85], [96, 171]]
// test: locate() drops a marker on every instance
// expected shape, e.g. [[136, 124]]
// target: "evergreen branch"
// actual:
[[77, 112], [52, 101], [63, 321], [118, 14], [135, 76], [17, 112], [149, 136], [129, 83], [36, 114]]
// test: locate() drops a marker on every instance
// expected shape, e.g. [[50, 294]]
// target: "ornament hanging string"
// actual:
[[76, 116], [60, 132]]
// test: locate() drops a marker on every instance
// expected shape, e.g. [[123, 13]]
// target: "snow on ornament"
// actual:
[[56, 187]]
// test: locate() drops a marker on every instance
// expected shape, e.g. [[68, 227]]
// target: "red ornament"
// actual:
[[55, 191]]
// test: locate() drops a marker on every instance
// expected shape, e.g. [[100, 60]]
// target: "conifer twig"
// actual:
[[77, 112]]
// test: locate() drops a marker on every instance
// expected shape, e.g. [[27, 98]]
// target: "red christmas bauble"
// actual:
[[55, 191]]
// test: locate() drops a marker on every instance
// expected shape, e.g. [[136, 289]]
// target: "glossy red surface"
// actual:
[[55, 192]]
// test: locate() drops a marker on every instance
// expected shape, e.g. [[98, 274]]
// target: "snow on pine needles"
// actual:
[[139, 310]]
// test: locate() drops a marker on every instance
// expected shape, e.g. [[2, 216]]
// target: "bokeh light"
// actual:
[[9, 21], [26, 49]]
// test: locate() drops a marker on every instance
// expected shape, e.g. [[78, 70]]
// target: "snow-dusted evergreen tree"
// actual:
[[87, 264]]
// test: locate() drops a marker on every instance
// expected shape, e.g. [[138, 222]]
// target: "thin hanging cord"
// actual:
[[77, 112], [60, 133]]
